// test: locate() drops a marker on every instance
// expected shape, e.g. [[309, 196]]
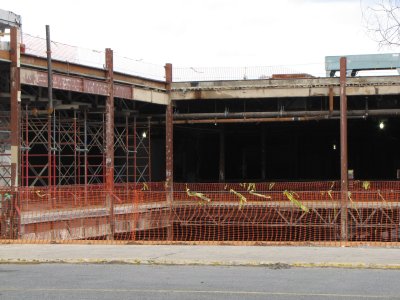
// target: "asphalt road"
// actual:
[[114, 281]]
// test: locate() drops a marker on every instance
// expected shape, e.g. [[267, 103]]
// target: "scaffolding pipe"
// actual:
[[149, 154], [135, 151], [294, 116], [54, 149], [75, 152], [222, 155], [126, 151], [85, 153], [267, 114]]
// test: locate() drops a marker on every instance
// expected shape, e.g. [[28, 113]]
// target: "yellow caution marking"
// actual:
[[292, 198]]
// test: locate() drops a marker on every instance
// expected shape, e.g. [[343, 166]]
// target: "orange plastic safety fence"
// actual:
[[307, 212]]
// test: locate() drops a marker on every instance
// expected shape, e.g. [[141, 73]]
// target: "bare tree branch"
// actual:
[[382, 21]]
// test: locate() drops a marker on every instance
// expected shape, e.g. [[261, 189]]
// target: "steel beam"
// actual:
[[331, 100], [81, 70], [51, 167], [264, 89], [109, 180], [15, 87], [343, 150], [169, 147], [91, 86]]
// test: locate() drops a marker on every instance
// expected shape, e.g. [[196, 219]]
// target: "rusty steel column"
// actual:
[[15, 87], [50, 166], [109, 179], [343, 150], [169, 149], [15, 107], [222, 154], [330, 100]]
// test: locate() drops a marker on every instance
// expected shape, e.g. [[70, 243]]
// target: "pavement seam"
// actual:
[[191, 262]]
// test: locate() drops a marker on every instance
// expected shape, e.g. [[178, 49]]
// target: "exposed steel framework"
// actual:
[[84, 173], [5, 149], [77, 149]]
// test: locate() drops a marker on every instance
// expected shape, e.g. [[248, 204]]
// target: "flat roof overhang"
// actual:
[[278, 88]]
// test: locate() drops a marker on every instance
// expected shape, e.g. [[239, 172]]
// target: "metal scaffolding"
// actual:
[[76, 143], [5, 149], [132, 151]]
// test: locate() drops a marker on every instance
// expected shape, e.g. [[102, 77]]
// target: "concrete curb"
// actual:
[[271, 265]]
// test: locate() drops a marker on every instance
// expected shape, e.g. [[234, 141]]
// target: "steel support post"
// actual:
[[50, 168], [169, 148], [15, 87], [149, 134], [109, 180], [343, 151], [222, 154], [330, 100]]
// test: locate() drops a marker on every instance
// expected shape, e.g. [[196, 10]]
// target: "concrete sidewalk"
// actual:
[[267, 256]]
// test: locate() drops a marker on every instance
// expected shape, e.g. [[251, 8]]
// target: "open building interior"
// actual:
[[108, 155]]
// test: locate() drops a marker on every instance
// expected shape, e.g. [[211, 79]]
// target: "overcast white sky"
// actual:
[[205, 32]]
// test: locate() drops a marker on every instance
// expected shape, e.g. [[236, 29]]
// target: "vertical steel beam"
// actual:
[[15, 87], [343, 150], [169, 147], [15, 105], [50, 167], [330, 100], [222, 154], [109, 180], [149, 136]]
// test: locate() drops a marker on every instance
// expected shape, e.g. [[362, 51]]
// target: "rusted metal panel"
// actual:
[[95, 87], [64, 82], [33, 77], [89, 86], [68, 83], [123, 91], [5, 55], [71, 68], [343, 150]]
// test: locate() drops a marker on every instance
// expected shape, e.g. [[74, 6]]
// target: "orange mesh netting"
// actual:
[[234, 212]]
